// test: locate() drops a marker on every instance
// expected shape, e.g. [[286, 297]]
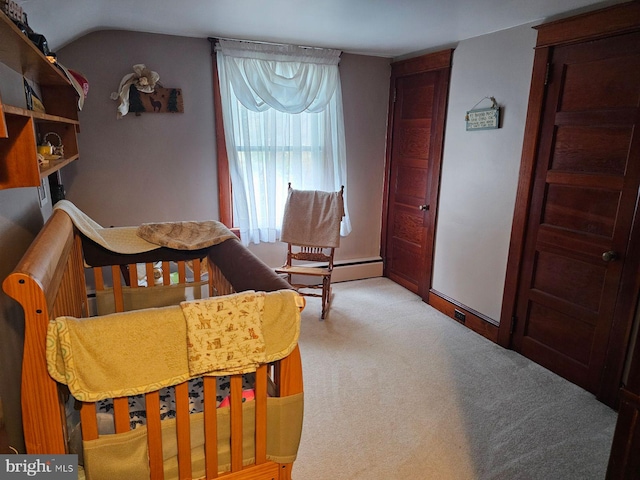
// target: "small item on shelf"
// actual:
[[28, 94], [78, 82], [47, 153], [46, 149], [56, 149], [19, 17], [33, 101], [82, 81], [13, 10], [38, 106], [42, 160], [40, 42]]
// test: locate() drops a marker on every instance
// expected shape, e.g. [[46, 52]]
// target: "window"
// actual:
[[283, 122]]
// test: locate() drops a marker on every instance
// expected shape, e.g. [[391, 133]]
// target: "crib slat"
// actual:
[[213, 278], [151, 281], [154, 435], [210, 428], [182, 272], [89, 421], [196, 269], [133, 275], [261, 414], [166, 273], [183, 431], [236, 423], [121, 414], [117, 288], [98, 278]]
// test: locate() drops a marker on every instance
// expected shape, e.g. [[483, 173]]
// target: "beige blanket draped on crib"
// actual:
[[148, 236]]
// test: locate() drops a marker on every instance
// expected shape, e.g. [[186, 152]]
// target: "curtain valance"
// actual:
[[287, 78]]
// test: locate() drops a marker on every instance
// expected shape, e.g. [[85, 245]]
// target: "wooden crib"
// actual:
[[50, 281]]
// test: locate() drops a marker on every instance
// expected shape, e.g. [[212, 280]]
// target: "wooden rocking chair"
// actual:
[[311, 228]]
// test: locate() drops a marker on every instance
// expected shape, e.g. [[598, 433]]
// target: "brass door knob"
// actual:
[[609, 256]]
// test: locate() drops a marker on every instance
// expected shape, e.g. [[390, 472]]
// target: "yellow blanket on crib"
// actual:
[[129, 353]]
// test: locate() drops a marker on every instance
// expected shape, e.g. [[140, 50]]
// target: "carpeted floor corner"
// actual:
[[396, 390]]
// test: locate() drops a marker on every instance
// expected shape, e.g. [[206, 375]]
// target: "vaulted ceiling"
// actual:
[[388, 28]]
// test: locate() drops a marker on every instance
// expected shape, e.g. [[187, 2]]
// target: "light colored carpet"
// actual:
[[396, 390]]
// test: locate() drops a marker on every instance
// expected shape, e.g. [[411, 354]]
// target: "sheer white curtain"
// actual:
[[283, 122]]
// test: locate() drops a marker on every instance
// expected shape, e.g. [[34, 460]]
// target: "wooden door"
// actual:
[[414, 148], [585, 189]]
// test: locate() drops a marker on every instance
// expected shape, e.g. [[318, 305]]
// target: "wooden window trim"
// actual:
[[225, 203]]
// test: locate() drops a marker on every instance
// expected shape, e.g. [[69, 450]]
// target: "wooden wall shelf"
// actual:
[[11, 110], [56, 165], [21, 128]]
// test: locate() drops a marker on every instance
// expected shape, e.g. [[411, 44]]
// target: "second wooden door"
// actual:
[[419, 91]]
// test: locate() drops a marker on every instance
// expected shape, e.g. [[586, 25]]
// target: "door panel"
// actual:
[[601, 83], [545, 323], [580, 209], [582, 281], [582, 206], [591, 150]]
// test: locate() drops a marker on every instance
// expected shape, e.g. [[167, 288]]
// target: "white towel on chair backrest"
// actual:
[[312, 218]]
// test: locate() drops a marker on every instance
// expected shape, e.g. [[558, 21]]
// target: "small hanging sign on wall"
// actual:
[[483, 118]]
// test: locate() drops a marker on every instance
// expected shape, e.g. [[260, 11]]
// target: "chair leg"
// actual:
[[326, 295]]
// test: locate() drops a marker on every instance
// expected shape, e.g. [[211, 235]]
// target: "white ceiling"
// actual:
[[388, 28]]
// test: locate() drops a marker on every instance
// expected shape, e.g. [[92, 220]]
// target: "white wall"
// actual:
[[162, 167], [480, 168]]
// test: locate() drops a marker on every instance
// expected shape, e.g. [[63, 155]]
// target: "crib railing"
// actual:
[[159, 273], [124, 277]]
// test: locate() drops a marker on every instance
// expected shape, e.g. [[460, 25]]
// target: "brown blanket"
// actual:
[[185, 235]]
